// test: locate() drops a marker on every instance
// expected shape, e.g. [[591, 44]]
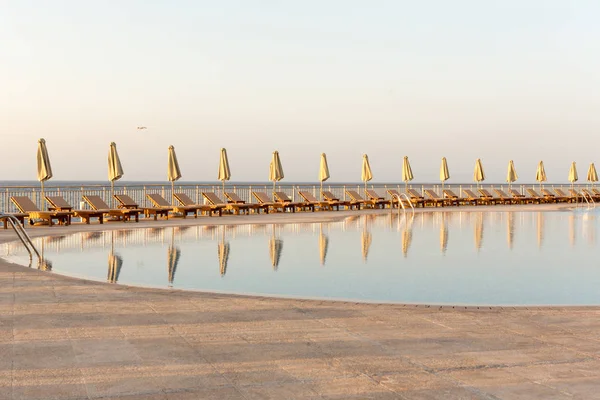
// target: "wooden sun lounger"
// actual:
[[591, 194], [58, 203], [354, 196], [234, 198], [283, 198], [236, 208], [322, 205], [185, 200], [160, 202], [97, 204], [125, 201], [502, 195], [557, 199], [487, 196], [379, 201], [416, 197], [473, 198], [521, 197], [535, 195], [26, 206], [433, 196], [596, 191], [19, 216], [449, 194], [349, 204], [264, 199], [559, 192]]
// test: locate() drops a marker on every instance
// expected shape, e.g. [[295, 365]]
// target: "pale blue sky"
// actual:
[[464, 79]]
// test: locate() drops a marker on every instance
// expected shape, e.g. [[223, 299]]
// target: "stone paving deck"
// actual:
[[64, 338]]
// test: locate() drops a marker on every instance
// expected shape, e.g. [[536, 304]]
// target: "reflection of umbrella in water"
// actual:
[[223, 250], [443, 235], [173, 255], [510, 229], [275, 248], [572, 229], [479, 231], [407, 236], [540, 229], [365, 239], [44, 264], [323, 244], [115, 262]]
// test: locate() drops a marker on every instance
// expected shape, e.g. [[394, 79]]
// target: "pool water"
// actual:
[[474, 258]]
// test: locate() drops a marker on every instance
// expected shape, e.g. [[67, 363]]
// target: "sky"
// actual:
[[466, 79]]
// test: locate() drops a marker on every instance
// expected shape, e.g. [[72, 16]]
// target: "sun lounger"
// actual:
[[125, 201], [264, 199], [433, 196], [416, 197], [379, 201], [507, 199], [185, 200], [590, 194], [58, 203], [596, 191], [562, 195], [19, 216], [521, 197], [556, 199], [322, 205], [234, 198], [97, 204], [487, 196], [449, 194], [473, 198], [536, 196], [349, 204], [354, 196], [160, 202], [236, 208], [26, 206], [282, 197]]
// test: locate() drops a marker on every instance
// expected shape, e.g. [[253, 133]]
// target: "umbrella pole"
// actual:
[[223, 188], [172, 192], [321, 192], [112, 194], [42, 195]]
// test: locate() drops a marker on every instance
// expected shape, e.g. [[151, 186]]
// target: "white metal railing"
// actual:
[[73, 193]]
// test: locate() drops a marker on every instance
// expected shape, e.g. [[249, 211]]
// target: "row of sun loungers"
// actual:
[[61, 212]]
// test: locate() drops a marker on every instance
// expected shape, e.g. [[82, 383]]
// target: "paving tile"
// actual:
[[525, 391], [28, 355]]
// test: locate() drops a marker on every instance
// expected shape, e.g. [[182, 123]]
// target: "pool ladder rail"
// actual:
[[585, 196], [23, 236], [401, 199]]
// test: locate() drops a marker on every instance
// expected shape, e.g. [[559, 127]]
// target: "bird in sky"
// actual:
[[142, 127]]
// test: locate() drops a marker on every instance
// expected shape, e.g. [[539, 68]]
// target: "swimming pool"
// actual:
[[470, 258]]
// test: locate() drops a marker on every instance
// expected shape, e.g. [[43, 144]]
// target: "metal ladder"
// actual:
[[23, 236], [401, 202], [585, 197]]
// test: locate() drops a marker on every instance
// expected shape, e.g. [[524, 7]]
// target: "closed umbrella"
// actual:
[[592, 175], [323, 171], [275, 169], [573, 177], [511, 175], [223, 250], [366, 174], [115, 169], [224, 172], [44, 169], [173, 171], [478, 175], [115, 262], [540, 174], [407, 174], [444, 173], [365, 241]]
